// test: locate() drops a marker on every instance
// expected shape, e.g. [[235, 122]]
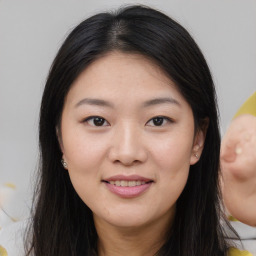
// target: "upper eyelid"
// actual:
[[91, 117], [164, 117]]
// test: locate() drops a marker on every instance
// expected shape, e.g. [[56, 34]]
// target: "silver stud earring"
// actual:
[[64, 163], [196, 155]]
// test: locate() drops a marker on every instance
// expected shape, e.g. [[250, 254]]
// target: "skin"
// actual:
[[128, 143], [238, 163]]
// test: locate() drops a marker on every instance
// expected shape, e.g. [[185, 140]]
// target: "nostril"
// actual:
[[127, 154], [127, 162]]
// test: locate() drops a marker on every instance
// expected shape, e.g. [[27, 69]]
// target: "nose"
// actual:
[[127, 146]]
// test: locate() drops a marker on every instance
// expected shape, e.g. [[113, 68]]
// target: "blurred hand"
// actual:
[[238, 165]]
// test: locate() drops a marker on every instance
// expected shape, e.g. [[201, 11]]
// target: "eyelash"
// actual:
[[163, 119], [93, 118]]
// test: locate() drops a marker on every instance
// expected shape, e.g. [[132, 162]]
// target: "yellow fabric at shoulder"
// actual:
[[3, 252], [249, 107], [236, 252]]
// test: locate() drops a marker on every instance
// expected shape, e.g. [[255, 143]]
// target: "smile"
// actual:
[[128, 186], [125, 183]]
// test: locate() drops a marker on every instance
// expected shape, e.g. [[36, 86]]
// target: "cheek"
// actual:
[[83, 151], [172, 159], [172, 153], [85, 157]]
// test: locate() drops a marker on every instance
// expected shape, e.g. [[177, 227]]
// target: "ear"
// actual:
[[198, 144], [59, 138], [63, 160]]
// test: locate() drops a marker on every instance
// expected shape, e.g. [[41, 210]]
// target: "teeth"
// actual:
[[125, 183], [132, 183]]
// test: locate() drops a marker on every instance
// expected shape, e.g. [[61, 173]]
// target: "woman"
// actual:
[[129, 143]]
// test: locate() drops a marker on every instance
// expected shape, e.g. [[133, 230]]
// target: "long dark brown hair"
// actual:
[[62, 224]]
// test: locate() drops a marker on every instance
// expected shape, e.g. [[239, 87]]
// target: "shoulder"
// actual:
[[236, 252], [11, 239]]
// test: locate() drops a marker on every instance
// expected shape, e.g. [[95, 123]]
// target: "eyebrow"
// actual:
[[95, 102], [103, 103], [158, 101]]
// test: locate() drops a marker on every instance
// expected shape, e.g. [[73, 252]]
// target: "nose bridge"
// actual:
[[127, 146]]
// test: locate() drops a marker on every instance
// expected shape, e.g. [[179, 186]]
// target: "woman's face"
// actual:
[[127, 136]]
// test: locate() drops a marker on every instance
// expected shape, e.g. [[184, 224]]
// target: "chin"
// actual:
[[128, 223], [125, 219]]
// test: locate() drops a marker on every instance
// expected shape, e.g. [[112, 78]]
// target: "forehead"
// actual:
[[117, 75]]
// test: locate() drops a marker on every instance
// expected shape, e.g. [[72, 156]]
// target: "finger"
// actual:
[[228, 150]]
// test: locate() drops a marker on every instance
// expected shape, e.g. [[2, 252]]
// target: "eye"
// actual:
[[159, 121], [96, 121]]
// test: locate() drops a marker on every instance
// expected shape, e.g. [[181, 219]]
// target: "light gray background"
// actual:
[[32, 31]]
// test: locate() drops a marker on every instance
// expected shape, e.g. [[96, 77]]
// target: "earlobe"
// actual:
[[198, 145], [195, 154]]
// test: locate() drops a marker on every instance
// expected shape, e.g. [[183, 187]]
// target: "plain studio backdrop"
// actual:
[[32, 31]]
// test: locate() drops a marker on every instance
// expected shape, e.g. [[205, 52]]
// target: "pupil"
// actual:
[[158, 121], [98, 121]]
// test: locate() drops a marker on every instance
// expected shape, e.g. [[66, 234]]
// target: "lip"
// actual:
[[128, 192], [127, 178]]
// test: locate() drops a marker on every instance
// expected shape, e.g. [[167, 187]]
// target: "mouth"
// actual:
[[125, 183], [128, 186]]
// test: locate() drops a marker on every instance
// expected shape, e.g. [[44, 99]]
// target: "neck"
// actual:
[[137, 241]]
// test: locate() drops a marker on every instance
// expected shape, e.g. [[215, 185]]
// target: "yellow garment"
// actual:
[[231, 218], [249, 107], [3, 252], [236, 252]]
